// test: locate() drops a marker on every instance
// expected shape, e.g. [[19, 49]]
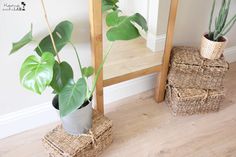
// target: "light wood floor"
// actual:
[[143, 128]]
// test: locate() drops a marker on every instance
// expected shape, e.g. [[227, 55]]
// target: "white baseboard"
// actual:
[[26, 119], [156, 42], [43, 114], [129, 88], [33, 117]]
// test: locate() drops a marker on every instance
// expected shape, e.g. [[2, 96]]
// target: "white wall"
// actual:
[[192, 21], [133, 6], [14, 25]]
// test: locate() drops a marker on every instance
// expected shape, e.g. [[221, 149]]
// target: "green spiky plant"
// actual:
[[47, 69], [222, 26]]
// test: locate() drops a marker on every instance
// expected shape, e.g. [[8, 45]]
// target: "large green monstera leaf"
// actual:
[[37, 73], [123, 27], [61, 35], [62, 73], [72, 96]]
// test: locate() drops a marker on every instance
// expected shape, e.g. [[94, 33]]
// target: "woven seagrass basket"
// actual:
[[189, 70], [186, 101], [212, 49], [58, 143]]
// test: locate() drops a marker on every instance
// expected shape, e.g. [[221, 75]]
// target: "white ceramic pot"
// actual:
[[212, 49]]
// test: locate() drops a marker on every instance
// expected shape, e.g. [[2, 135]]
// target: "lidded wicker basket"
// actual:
[[58, 143], [195, 84], [189, 70], [186, 101]]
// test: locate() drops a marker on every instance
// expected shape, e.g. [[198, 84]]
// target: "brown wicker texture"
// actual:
[[186, 101], [60, 144], [189, 70]]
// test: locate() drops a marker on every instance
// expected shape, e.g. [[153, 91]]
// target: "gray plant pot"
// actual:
[[78, 122]]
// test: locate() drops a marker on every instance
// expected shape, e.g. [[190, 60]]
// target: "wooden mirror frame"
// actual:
[[95, 13]]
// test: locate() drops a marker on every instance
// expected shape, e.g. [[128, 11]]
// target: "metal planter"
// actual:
[[78, 122]]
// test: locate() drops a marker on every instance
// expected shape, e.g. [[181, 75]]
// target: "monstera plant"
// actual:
[[45, 68]]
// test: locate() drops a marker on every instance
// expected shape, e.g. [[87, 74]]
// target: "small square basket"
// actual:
[[58, 143], [186, 101]]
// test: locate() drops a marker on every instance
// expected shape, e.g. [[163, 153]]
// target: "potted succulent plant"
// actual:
[[46, 69], [214, 42]]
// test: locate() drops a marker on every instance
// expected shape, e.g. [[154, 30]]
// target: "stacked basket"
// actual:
[[195, 84]]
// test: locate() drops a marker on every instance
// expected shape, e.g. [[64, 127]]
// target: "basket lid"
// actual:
[[191, 56]]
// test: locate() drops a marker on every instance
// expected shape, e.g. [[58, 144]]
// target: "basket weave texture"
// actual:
[[189, 70], [195, 84], [60, 144], [187, 101]]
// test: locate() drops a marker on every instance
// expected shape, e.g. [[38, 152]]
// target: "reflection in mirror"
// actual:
[[125, 31]]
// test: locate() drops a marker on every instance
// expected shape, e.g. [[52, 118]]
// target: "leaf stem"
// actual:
[[38, 46], [77, 56], [80, 67], [50, 31], [100, 69], [40, 49]]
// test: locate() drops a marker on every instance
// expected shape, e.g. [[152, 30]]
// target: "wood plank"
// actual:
[[130, 59], [95, 13], [144, 129], [131, 75], [161, 82]]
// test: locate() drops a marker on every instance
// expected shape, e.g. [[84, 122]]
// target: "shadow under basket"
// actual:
[[186, 101]]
